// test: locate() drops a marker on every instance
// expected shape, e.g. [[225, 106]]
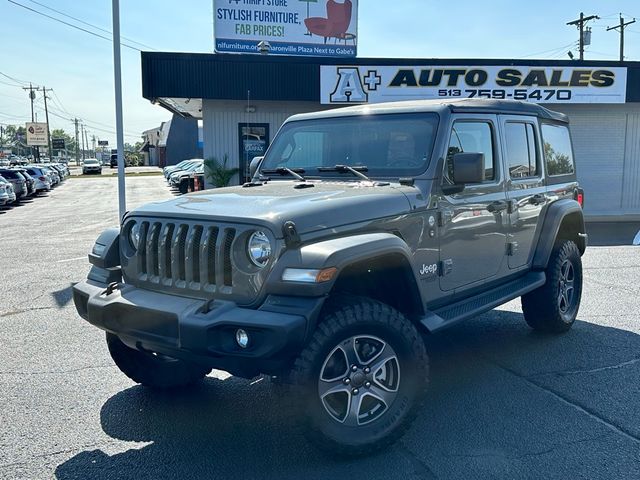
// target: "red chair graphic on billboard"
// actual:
[[335, 25]]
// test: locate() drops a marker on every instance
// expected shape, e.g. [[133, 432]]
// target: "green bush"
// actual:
[[218, 173]]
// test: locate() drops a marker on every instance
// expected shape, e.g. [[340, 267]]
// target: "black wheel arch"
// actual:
[[563, 219]]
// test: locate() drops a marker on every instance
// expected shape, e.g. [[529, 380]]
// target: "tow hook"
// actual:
[[111, 288]]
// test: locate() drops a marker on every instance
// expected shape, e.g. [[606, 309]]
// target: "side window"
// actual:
[[557, 149], [521, 150], [471, 137]]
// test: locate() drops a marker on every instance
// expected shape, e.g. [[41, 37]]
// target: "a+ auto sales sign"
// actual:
[[342, 84]]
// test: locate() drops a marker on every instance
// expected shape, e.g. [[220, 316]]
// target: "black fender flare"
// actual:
[[339, 253], [555, 215]]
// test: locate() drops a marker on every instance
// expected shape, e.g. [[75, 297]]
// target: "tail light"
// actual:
[[578, 196], [42, 179]]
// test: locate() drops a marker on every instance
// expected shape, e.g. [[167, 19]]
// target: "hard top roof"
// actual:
[[463, 105]]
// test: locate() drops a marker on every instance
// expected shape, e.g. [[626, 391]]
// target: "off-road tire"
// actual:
[[542, 307], [342, 319], [151, 370]]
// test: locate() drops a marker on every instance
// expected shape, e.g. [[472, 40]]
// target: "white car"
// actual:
[[91, 165]]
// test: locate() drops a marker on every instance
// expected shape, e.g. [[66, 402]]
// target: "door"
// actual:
[[473, 222], [525, 187]]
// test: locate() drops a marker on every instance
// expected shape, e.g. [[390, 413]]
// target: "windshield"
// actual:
[[393, 145], [88, 161]]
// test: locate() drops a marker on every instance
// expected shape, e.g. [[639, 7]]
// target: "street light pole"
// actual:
[[115, 4]]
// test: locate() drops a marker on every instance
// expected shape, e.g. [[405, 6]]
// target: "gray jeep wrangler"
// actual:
[[362, 229]]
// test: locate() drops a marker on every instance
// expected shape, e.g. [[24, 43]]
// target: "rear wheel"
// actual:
[[151, 369], [554, 306], [362, 378]]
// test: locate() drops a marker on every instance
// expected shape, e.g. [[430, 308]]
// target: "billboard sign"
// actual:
[[326, 28], [103, 143], [37, 134], [341, 84], [57, 143]]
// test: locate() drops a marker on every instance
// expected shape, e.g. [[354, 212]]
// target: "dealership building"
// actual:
[[243, 99]]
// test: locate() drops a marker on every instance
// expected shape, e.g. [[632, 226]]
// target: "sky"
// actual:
[[79, 66]]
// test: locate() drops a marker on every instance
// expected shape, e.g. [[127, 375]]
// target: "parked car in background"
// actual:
[[187, 179], [4, 162], [6, 193], [174, 177], [91, 165], [17, 180], [167, 171], [52, 174], [62, 171], [31, 187], [42, 181]]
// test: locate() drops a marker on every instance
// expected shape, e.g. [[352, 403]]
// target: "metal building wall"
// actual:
[[220, 120], [606, 140]]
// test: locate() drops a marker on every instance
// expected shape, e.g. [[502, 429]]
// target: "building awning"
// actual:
[[180, 81]]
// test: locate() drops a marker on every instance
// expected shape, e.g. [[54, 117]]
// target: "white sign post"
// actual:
[[343, 84], [327, 28]]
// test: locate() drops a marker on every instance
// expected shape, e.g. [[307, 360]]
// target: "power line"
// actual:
[[71, 25], [87, 23], [550, 50]]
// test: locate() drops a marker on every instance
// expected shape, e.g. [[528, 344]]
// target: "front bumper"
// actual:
[[201, 331]]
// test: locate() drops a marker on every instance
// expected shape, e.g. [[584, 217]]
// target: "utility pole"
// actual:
[[621, 27], [75, 121], [32, 96], [93, 143], [82, 137], [86, 140], [580, 23], [46, 112]]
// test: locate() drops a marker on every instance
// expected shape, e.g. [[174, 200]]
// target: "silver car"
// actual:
[[52, 174], [43, 182], [17, 180], [7, 194], [91, 165]]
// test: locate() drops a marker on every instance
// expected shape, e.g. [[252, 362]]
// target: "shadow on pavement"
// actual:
[[493, 410], [603, 234]]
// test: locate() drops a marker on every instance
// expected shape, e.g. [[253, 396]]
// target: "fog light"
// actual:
[[242, 338]]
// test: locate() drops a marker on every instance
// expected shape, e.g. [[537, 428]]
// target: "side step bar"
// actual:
[[483, 302]]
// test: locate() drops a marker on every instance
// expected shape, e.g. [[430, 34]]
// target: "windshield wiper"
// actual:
[[357, 171], [294, 172]]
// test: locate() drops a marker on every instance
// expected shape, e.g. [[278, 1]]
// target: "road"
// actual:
[[504, 402]]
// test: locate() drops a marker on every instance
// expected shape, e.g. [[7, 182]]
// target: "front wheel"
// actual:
[[151, 369], [361, 378], [554, 306]]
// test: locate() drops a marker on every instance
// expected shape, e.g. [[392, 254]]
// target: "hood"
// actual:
[[327, 205]]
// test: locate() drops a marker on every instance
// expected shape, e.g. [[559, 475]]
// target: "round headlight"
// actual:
[[134, 235], [259, 249]]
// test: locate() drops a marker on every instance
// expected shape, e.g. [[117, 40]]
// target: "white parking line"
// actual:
[[84, 257]]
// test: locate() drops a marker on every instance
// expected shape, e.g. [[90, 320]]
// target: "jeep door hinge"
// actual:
[[444, 217], [446, 267]]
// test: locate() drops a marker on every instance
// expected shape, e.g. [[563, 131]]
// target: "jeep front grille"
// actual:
[[185, 256]]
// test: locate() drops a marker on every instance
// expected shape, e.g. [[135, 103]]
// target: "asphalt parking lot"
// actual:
[[504, 402]]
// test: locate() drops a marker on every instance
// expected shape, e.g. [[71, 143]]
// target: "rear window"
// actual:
[[9, 174], [557, 150]]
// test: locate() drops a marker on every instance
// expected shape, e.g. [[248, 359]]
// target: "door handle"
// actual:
[[537, 199], [497, 206]]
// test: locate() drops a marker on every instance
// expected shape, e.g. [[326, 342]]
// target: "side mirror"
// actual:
[[254, 166], [468, 168]]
